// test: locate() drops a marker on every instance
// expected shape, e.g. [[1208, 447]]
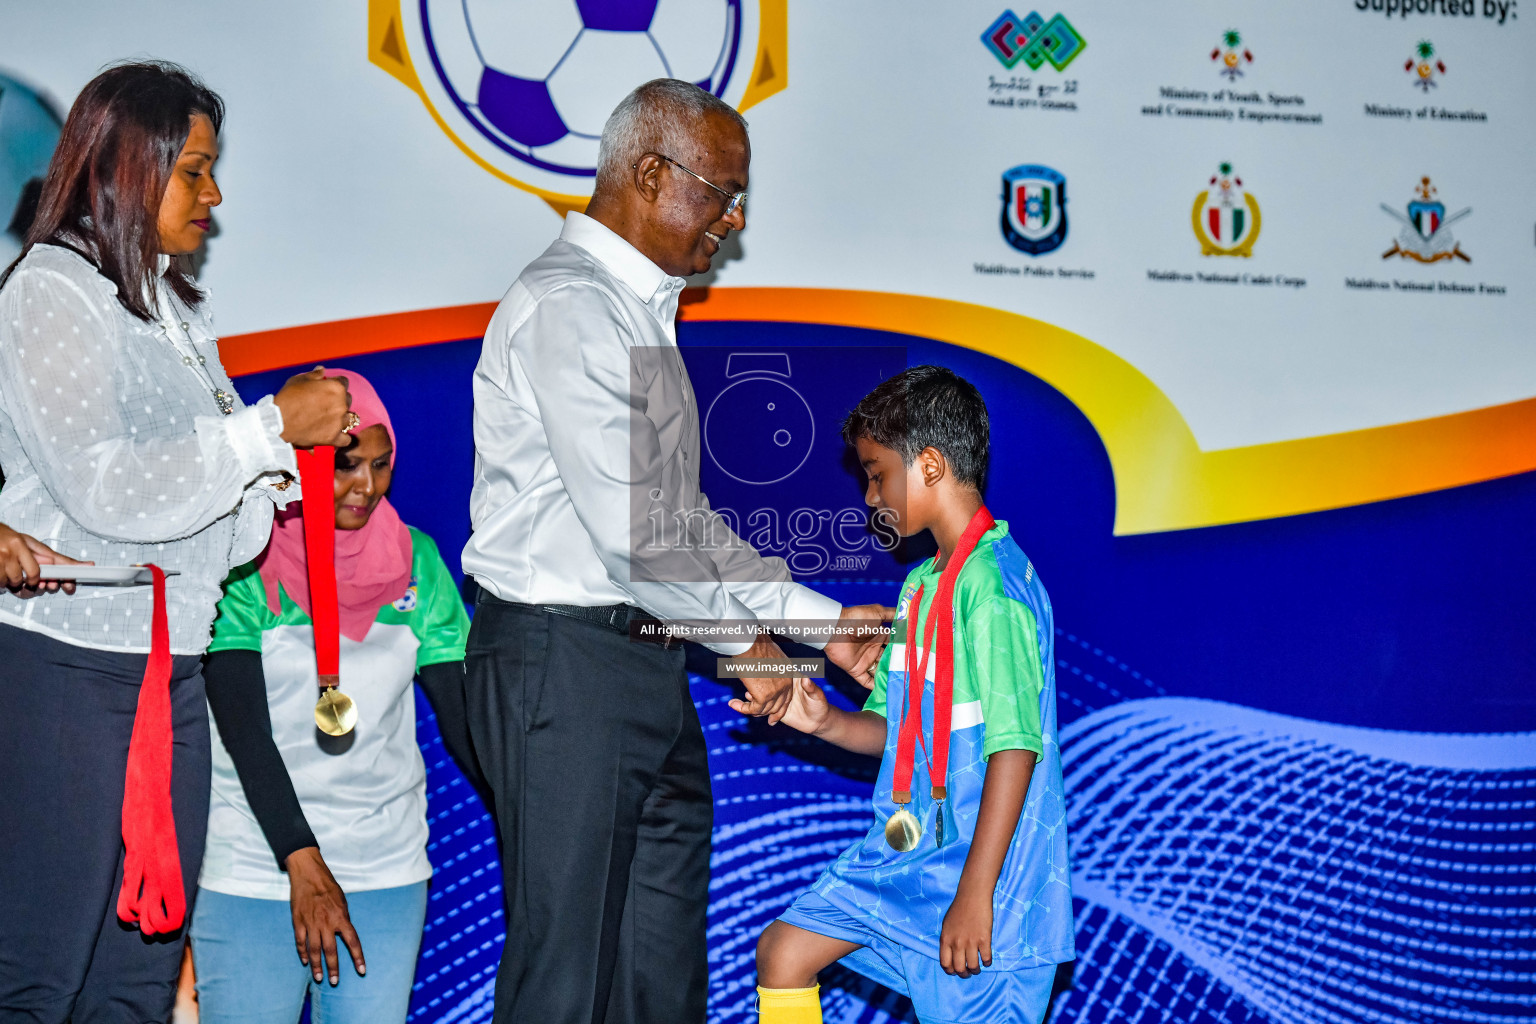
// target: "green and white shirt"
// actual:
[[997, 670], [364, 794]]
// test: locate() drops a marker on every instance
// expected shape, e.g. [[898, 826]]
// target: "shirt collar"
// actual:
[[623, 260]]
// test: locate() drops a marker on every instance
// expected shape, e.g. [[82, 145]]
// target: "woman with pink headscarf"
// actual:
[[312, 836]]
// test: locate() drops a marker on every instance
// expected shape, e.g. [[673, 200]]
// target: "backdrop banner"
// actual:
[[1249, 291]]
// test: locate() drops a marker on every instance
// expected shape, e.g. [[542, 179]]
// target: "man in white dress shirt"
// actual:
[[586, 432]]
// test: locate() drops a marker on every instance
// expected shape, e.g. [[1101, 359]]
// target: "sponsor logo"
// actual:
[[1033, 40], [525, 88], [1423, 66], [1226, 217], [1034, 209], [1425, 235], [1231, 55], [407, 601]]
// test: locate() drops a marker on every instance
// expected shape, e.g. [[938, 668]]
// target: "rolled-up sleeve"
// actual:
[[59, 385]]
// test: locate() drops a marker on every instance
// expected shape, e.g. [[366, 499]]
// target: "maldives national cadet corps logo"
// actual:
[[1229, 57], [1424, 65], [523, 87], [1426, 235], [1034, 209], [1226, 217], [1033, 40]]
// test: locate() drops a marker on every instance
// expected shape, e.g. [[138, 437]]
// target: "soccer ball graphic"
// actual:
[[536, 79]]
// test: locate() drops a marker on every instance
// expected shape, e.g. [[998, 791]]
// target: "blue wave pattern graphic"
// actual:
[[1309, 872], [1231, 865], [466, 927]]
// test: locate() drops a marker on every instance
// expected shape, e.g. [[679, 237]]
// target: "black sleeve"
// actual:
[[443, 684], [237, 696]]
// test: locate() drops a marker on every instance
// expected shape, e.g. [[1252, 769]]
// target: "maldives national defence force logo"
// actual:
[[1034, 209], [1426, 235], [525, 88], [1034, 40], [1226, 217]]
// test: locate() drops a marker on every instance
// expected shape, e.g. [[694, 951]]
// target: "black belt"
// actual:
[[616, 617]]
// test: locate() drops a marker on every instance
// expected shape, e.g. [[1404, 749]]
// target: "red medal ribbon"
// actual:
[[317, 466], [941, 627], [152, 895]]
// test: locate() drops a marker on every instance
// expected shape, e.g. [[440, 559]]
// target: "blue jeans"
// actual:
[[248, 971]]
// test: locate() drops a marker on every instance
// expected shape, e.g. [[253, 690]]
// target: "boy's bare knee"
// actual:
[[777, 965]]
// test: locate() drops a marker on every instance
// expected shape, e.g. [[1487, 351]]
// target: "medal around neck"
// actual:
[[902, 829], [335, 712]]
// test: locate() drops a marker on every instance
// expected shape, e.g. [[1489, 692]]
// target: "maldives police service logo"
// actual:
[[1034, 209], [524, 87], [1425, 235], [1226, 217]]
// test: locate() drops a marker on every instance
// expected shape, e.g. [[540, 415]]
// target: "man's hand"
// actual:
[[20, 556], [965, 943], [319, 914], [766, 695], [858, 652], [808, 709]]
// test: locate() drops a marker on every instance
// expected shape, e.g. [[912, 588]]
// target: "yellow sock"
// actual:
[[789, 1005]]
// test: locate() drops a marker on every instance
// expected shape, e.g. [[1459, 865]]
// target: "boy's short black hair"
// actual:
[[927, 407]]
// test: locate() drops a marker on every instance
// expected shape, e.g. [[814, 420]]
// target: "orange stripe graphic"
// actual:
[[1163, 480]]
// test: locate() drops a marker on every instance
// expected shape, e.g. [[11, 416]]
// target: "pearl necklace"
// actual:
[[198, 364]]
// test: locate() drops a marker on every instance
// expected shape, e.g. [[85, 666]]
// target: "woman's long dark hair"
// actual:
[[115, 155]]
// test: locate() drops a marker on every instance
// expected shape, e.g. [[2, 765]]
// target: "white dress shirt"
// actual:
[[114, 450], [580, 440]]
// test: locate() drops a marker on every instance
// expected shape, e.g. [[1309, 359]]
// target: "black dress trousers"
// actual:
[[593, 749], [66, 715]]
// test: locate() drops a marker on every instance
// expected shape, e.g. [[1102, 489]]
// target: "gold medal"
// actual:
[[335, 714], [902, 830]]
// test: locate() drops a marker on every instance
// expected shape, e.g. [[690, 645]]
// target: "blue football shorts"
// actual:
[[992, 997]]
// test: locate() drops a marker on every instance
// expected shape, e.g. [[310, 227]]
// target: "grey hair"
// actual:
[[660, 116]]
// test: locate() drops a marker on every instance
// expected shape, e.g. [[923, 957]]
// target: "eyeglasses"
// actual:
[[733, 200]]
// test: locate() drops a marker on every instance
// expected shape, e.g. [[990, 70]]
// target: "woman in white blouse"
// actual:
[[122, 442]]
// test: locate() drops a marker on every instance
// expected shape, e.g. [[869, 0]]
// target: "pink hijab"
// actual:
[[373, 565]]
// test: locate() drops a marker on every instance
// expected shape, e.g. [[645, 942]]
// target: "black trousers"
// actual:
[[592, 747], [66, 714]]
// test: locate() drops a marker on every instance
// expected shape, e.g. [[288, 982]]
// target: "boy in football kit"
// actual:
[[959, 896]]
